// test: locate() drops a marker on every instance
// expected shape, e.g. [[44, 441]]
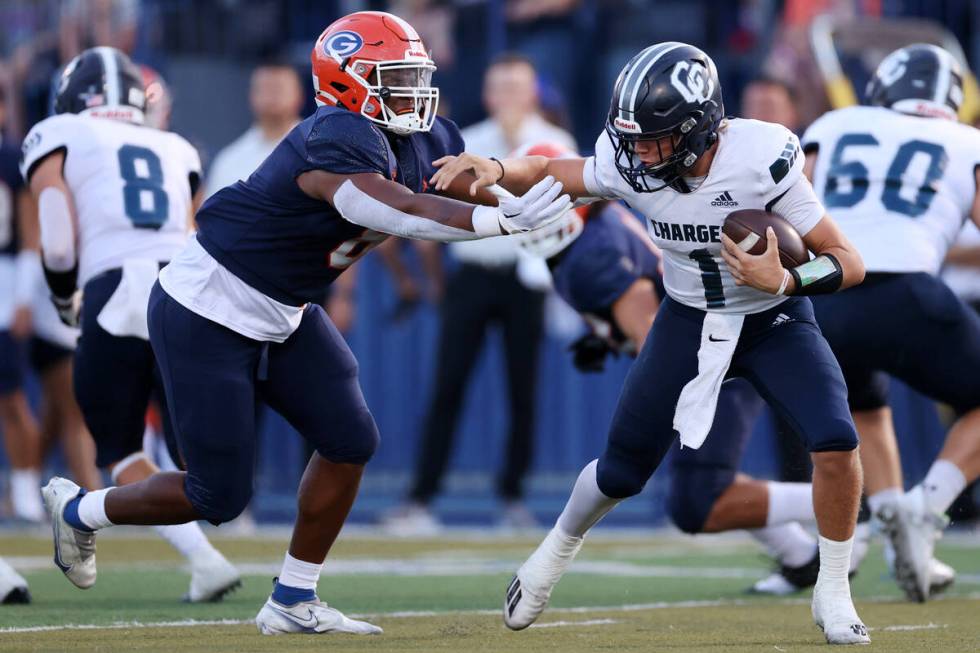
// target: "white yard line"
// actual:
[[425, 566], [587, 622], [633, 607]]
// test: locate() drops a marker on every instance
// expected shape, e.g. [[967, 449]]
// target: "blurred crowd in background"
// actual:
[[233, 77]]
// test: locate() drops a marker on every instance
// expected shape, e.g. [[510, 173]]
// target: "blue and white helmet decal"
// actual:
[[343, 44]]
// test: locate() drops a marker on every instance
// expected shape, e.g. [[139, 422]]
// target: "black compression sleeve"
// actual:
[[821, 276]]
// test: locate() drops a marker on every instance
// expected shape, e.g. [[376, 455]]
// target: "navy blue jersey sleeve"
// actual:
[[449, 136], [596, 276], [345, 143]]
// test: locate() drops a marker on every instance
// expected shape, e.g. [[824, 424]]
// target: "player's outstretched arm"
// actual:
[[56, 216], [370, 200], [516, 175]]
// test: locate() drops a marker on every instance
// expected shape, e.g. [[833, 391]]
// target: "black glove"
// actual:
[[589, 353]]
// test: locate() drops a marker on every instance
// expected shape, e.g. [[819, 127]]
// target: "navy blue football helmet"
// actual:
[[101, 82], [667, 90], [920, 79]]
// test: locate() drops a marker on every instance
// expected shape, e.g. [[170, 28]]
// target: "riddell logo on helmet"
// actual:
[[626, 125]]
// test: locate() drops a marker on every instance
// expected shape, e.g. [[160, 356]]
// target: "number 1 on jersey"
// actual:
[[144, 199], [714, 292]]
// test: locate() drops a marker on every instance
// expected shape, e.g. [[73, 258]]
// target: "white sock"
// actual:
[[789, 502], [25, 493], [942, 485], [790, 543], [299, 574], [882, 498], [586, 506], [188, 539], [835, 562], [91, 509]]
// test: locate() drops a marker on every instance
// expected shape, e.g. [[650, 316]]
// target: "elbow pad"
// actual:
[[821, 276], [57, 231]]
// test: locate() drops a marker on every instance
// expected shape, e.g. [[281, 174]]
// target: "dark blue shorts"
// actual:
[[13, 363], [910, 326], [114, 378], [780, 352], [213, 378]]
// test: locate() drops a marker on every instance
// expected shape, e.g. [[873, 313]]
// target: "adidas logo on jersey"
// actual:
[[782, 318], [725, 199]]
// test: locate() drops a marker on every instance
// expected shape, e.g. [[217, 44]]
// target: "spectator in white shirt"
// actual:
[[276, 98], [484, 291]]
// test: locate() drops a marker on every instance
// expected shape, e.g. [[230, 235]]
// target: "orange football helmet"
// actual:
[[375, 63], [158, 98]]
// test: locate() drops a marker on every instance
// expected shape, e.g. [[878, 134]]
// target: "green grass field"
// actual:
[[649, 593]]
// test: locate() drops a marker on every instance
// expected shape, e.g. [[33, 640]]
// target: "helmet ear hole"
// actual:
[[342, 88]]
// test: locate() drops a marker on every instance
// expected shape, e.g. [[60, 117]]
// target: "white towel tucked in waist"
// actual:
[[698, 400], [125, 312]]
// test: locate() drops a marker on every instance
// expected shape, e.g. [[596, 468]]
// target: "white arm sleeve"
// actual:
[[57, 230], [799, 205], [354, 205]]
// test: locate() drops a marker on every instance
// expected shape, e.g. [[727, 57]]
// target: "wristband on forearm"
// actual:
[[502, 173], [62, 284], [821, 276]]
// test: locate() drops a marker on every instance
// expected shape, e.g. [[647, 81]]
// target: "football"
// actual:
[[747, 228]]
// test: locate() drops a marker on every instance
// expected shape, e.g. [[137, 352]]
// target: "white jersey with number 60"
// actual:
[[130, 186], [899, 186]]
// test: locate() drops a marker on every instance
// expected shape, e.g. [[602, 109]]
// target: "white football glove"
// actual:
[[540, 205]]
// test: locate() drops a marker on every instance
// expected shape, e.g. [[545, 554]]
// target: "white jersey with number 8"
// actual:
[[130, 186]]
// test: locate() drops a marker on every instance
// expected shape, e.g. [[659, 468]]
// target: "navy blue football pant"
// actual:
[[114, 378], [911, 326], [213, 378], [700, 476], [780, 352]]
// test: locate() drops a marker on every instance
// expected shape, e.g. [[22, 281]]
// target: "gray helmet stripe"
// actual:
[[644, 69], [111, 69], [632, 80], [944, 75]]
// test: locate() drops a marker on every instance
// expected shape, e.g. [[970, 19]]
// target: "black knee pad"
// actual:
[[219, 502], [692, 494]]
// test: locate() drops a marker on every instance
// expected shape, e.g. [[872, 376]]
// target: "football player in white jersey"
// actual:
[[114, 202], [670, 154], [901, 176]]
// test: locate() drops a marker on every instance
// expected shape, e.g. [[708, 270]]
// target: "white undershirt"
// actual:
[[203, 286]]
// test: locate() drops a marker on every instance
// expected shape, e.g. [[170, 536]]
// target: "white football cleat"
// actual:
[[941, 576], [212, 577], [13, 587], [310, 617], [74, 550], [833, 612], [913, 530], [528, 593]]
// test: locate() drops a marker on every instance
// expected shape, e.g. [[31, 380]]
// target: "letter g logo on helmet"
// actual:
[[343, 44], [696, 85]]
